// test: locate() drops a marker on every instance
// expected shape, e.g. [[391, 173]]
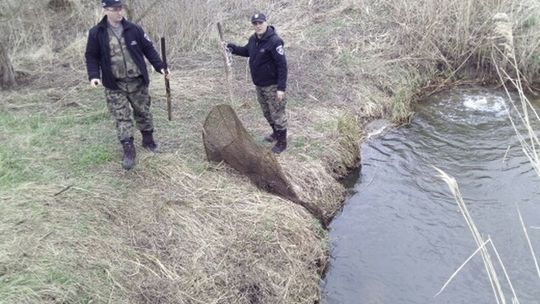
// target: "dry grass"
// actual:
[[527, 116], [177, 229], [235, 248], [403, 48], [76, 228], [511, 77]]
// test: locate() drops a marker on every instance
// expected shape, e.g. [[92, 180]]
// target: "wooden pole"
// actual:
[[167, 85], [227, 61]]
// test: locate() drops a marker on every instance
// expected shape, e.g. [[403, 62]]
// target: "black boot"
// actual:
[[148, 141], [281, 144], [271, 137], [128, 160]]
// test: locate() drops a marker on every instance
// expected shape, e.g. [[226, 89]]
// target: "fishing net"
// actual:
[[226, 139]]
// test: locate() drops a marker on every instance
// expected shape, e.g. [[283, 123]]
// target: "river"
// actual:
[[400, 235]]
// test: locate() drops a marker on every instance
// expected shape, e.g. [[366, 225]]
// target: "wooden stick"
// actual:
[[167, 85], [228, 63], [63, 190]]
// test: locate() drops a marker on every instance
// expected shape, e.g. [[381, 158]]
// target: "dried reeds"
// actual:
[[528, 119], [481, 243], [177, 229]]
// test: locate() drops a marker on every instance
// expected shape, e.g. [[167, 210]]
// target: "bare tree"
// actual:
[[8, 10], [7, 73]]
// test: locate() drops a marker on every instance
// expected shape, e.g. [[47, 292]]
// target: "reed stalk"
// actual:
[[480, 242], [533, 254], [527, 114]]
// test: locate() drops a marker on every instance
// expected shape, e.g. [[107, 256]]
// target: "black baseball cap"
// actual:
[[111, 3], [258, 18]]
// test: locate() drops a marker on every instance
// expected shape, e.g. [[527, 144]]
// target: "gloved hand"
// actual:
[[167, 73]]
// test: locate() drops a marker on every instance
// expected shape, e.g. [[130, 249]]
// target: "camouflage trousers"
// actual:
[[132, 96], [273, 110]]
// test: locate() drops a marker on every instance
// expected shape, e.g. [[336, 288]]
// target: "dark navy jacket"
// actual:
[[98, 58], [267, 60]]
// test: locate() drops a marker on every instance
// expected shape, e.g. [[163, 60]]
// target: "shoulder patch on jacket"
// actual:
[[280, 50], [147, 38]]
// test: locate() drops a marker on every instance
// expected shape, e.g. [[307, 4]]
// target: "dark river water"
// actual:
[[401, 236]]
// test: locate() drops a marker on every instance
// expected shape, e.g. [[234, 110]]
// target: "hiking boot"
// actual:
[[148, 141], [271, 137], [281, 144], [128, 160]]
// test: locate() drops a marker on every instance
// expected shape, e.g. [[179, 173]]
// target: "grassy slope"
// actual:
[[178, 229], [136, 236]]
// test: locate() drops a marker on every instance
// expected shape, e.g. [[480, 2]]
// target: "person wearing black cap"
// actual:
[[115, 54], [268, 66]]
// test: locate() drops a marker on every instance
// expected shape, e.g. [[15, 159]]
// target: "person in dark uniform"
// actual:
[[268, 66], [115, 54]]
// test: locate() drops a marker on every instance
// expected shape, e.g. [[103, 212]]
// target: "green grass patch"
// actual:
[[50, 285], [325, 125], [43, 146], [13, 169], [299, 142], [401, 106], [94, 155]]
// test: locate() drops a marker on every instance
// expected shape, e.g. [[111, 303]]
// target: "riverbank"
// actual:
[[76, 227]]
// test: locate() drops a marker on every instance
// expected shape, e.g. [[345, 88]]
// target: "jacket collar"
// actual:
[[270, 31]]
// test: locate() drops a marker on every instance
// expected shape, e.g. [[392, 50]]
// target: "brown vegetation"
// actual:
[[226, 140], [7, 74], [76, 228]]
